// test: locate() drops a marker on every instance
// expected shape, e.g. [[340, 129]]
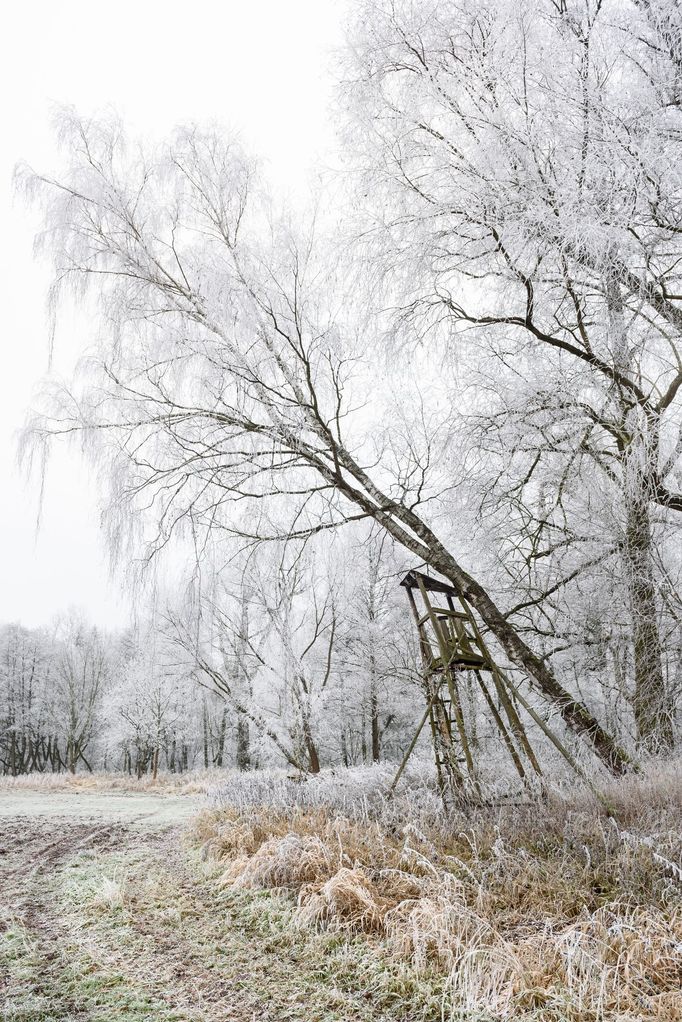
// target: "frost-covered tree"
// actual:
[[378, 652], [150, 713], [265, 641], [234, 386], [52, 685], [309, 650], [520, 171], [82, 669], [27, 725]]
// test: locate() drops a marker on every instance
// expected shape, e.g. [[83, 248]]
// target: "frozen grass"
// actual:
[[188, 783], [110, 894], [123, 927], [557, 910], [362, 793]]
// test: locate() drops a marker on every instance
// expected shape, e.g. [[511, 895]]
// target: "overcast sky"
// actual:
[[262, 67]]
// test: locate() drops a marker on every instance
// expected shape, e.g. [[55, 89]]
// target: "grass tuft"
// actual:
[[555, 910]]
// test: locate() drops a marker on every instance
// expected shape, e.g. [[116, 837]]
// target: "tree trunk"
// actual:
[[204, 719], [363, 736], [344, 749], [374, 714], [373, 565], [639, 449], [310, 748], [653, 716], [220, 751], [243, 743]]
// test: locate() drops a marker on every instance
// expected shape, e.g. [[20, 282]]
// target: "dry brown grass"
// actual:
[[555, 911]]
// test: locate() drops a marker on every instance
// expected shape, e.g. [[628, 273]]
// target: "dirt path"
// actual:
[[106, 916]]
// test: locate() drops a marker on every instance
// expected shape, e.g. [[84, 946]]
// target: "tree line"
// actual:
[[283, 669]]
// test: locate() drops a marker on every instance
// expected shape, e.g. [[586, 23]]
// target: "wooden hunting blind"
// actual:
[[454, 655]]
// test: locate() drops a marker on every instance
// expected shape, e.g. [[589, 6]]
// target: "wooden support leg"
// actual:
[[410, 748], [506, 737]]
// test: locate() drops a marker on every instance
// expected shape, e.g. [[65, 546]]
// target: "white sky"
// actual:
[[261, 66]]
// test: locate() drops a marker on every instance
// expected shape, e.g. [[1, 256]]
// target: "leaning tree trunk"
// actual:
[[574, 713], [411, 532], [431, 551]]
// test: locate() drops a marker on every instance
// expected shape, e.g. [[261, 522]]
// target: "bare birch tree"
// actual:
[[230, 369], [520, 168]]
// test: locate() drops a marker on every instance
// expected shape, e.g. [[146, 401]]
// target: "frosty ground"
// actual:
[[106, 916], [324, 900]]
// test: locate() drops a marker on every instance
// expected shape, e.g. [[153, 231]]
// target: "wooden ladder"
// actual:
[[452, 651]]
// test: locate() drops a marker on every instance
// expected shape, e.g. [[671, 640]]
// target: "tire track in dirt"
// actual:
[[28, 852], [186, 952]]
